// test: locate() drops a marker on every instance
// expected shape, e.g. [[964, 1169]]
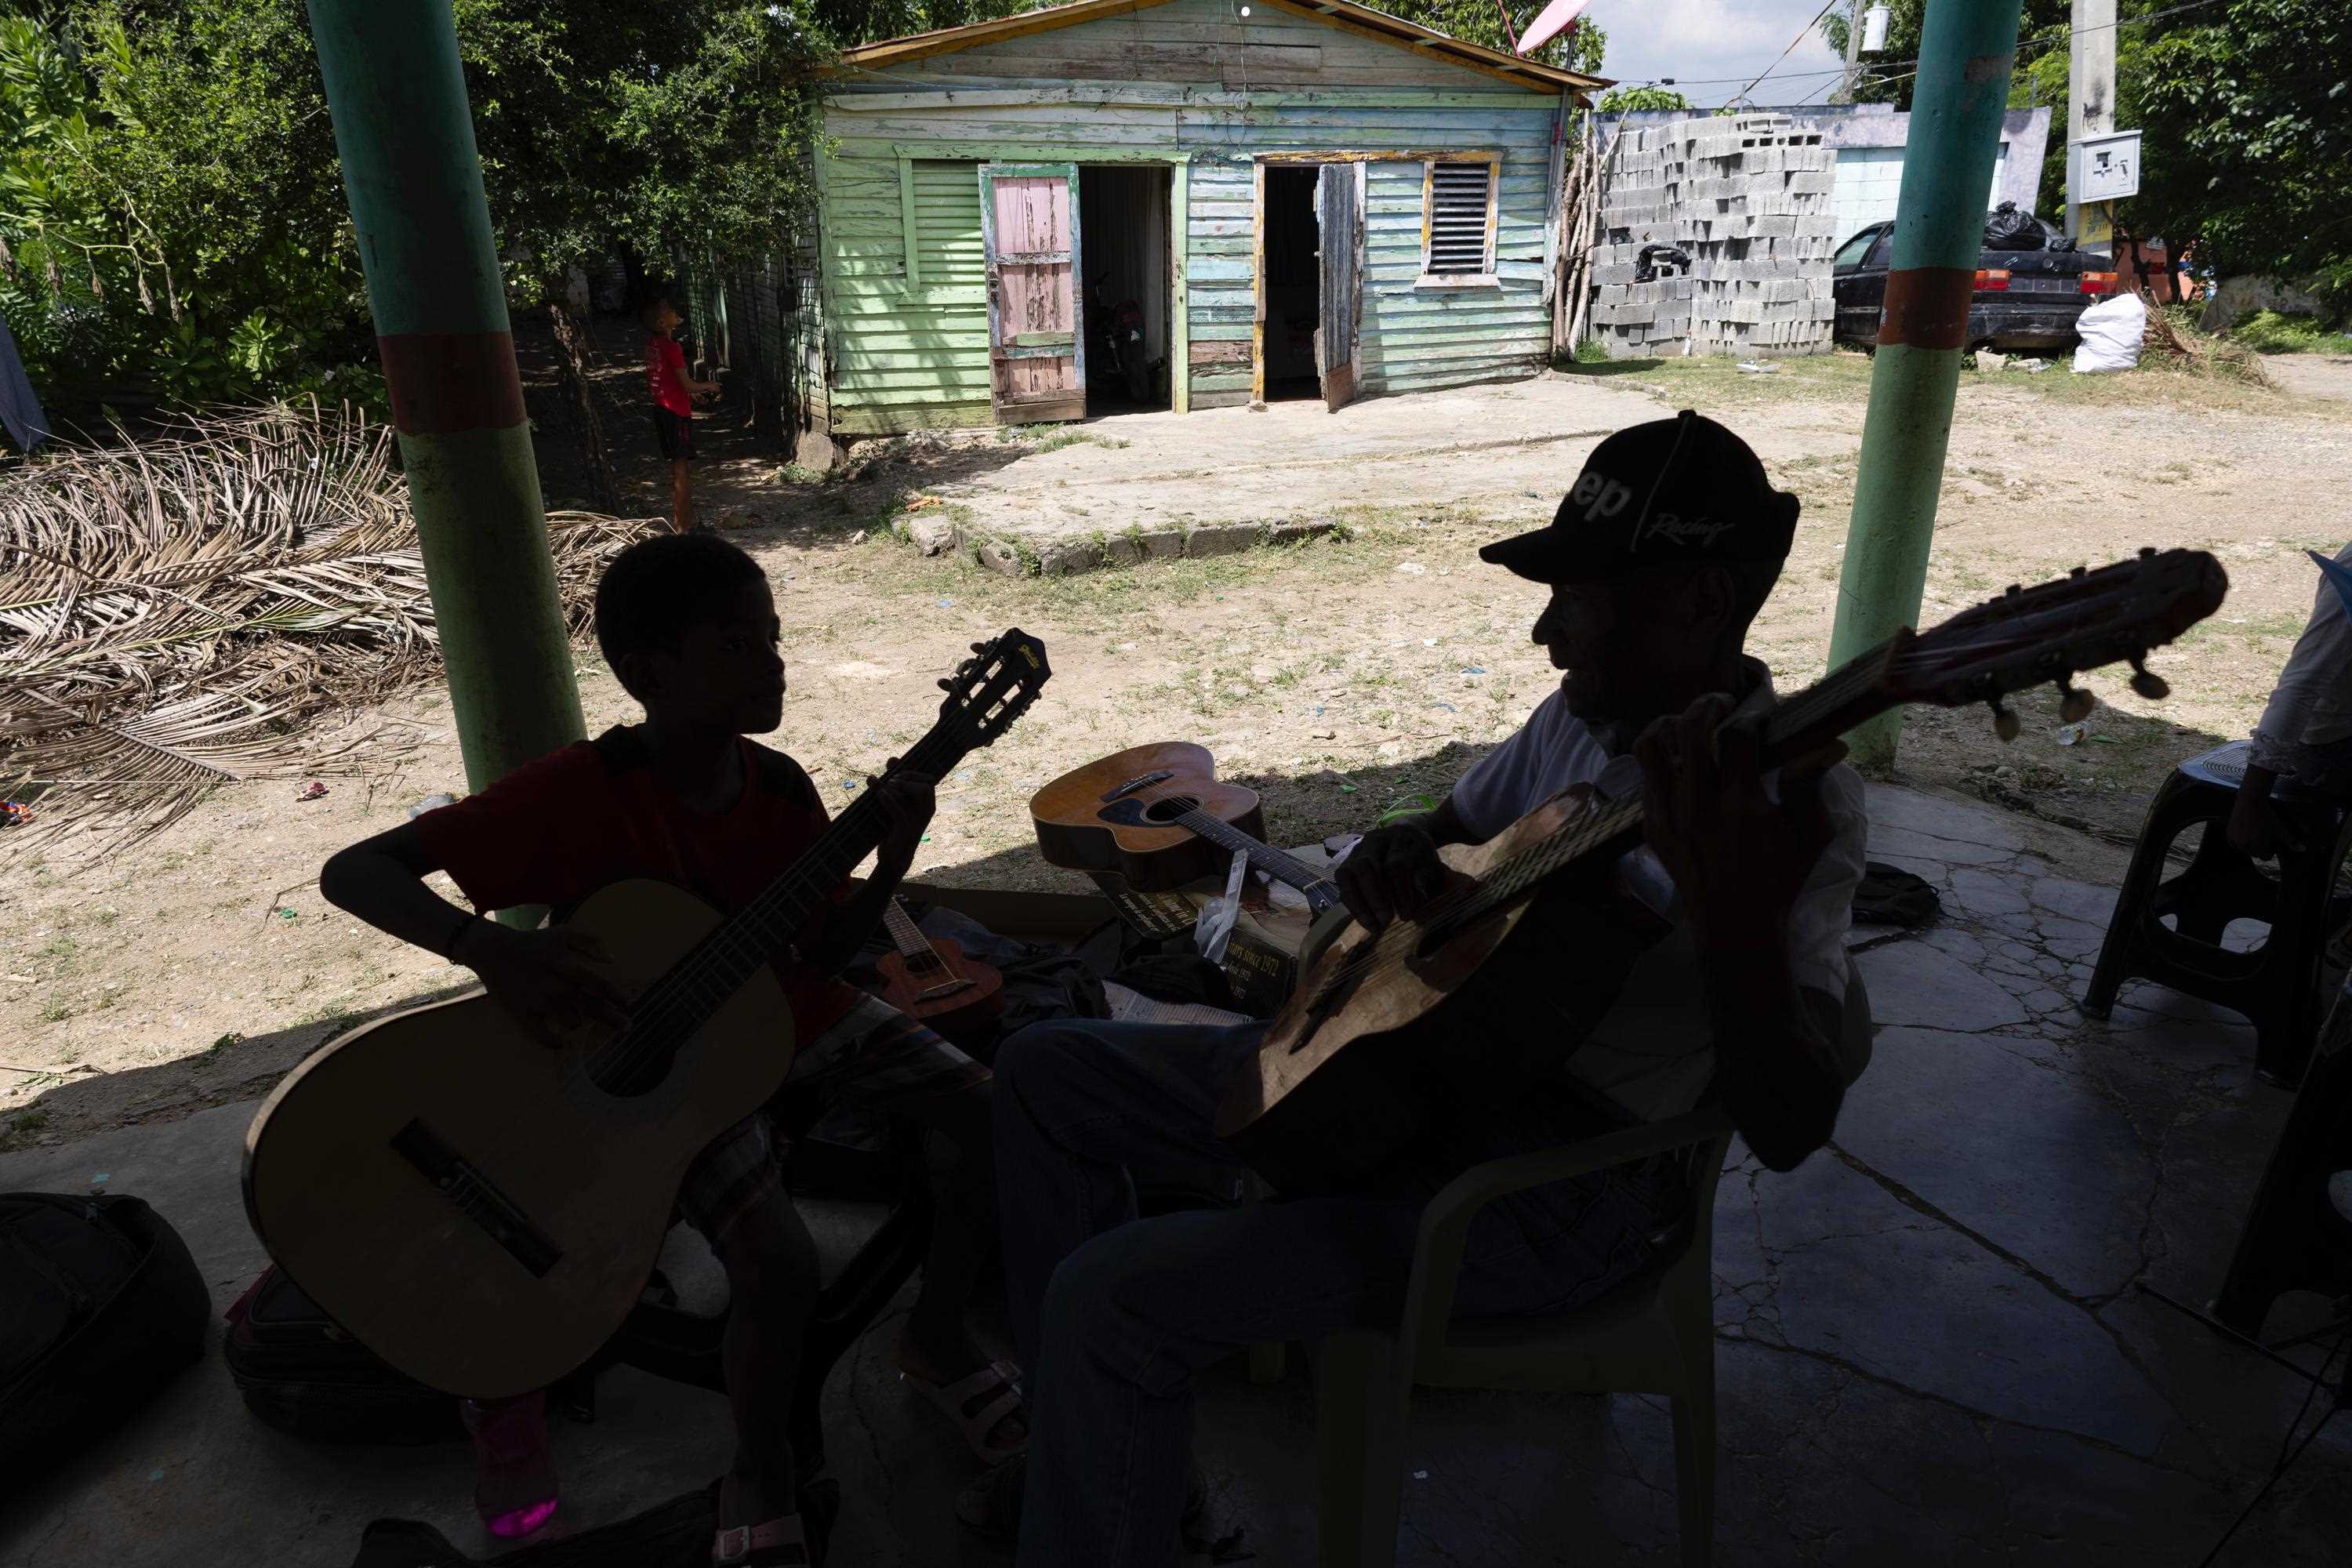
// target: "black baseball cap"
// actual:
[[1679, 491]]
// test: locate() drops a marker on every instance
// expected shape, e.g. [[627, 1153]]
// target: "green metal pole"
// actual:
[[1966, 52], [398, 97]]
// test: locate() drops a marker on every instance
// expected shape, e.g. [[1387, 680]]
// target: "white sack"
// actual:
[[2111, 332]]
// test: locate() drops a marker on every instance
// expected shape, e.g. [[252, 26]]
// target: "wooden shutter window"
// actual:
[[1461, 201]]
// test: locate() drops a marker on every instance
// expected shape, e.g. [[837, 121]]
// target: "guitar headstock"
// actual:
[[2028, 635], [993, 687]]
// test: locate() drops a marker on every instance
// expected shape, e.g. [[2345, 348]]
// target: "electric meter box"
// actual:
[[2102, 168]]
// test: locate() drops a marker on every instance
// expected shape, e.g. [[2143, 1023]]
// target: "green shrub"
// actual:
[[2268, 332]]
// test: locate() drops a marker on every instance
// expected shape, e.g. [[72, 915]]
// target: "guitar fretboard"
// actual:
[[679, 1004], [1321, 893]]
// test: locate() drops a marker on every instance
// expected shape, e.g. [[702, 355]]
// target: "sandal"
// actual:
[[977, 1405], [793, 1540]]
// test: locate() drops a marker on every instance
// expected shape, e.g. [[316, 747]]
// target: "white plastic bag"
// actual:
[[1212, 929], [2111, 332]]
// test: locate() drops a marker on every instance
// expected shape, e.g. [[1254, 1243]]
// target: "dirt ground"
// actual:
[[1339, 676]]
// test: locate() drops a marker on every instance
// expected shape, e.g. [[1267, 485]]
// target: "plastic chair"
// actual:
[[2276, 985], [1654, 1334]]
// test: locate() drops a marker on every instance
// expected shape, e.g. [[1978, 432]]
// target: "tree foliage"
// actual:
[[1635, 100], [171, 203], [2251, 107]]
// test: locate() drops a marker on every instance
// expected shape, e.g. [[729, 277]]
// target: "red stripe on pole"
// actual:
[[443, 383], [1928, 307]]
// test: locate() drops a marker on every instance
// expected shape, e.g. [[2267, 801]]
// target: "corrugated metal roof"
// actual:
[[1342, 14]]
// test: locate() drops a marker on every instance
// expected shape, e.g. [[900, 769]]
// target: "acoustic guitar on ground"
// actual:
[[1158, 817], [1492, 985], [482, 1211], [929, 978]]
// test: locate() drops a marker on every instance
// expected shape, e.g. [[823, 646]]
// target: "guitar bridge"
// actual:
[[477, 1197]]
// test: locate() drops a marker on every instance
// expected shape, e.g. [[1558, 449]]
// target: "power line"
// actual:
[[1806, 33], [2038, 46]]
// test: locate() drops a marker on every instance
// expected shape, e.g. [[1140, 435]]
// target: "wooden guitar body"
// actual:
[[960, 995], [1347, 1074], [1506, 973], [466, 1201], [1082, 826]]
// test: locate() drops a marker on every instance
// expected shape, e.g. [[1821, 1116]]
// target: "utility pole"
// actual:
[[1966, 52], [414, 181], [1852, 53], [2090, 90]]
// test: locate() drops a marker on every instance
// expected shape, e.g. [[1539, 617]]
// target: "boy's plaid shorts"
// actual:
[[875, 1057]]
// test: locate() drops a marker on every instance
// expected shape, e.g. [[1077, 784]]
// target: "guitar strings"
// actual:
[[1217, 830], [682, 1000], [1504, 885]]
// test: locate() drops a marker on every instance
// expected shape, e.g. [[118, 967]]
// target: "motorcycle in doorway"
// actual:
[[1119, 343]]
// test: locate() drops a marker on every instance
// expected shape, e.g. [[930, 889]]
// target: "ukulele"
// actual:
[[482, 1211], [1491, 986], [1158, 816], [929, 978]]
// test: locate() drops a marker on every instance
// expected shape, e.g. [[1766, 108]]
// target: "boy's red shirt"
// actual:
[[555, 830], [666, 375]]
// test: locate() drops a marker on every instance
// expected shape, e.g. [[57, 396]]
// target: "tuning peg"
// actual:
[[2074, 704], [2153, 687], [946, 685], [2013, 590], [2004, 722], [2080, 572], [2147, 552], [980, 648]]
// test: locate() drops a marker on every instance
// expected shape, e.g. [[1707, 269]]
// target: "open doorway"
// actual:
[[1292, 282], [1123, 237]]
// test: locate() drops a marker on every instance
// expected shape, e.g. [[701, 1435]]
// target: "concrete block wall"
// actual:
[[1749, 199]]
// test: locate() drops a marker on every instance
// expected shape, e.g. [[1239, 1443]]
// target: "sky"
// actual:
[[1693, 40]]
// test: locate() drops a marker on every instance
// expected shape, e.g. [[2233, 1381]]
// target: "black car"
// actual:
[[2024, 298]]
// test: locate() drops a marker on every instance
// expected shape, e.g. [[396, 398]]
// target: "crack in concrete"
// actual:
[[857, 1384], [1831, 1358], [2089, 1306]]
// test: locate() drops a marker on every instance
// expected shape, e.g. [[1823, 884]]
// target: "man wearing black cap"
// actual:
[[1658, 559]]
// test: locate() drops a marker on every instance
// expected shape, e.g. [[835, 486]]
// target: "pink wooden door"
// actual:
[[1036, 341]]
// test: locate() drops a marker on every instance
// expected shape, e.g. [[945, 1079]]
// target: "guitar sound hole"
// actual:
[[1162, 812]]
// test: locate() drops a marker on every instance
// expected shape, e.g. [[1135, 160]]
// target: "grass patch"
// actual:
[[1708, 383], [1068, 437], [2268, 332], [21, 1128], [56, 1011]]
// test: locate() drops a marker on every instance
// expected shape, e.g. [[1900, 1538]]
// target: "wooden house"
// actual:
[[1300, 197]]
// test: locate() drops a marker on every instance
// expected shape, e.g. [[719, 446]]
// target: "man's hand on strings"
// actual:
[[1739, 861]]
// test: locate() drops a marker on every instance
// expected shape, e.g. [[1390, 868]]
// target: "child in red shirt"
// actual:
[[674, 393], [688, 626]]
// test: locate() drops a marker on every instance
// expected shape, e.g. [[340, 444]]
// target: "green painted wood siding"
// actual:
[[895, 347], [911, 354]]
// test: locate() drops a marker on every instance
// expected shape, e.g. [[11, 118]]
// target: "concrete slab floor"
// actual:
[[1118, 489], [1931, 1348]]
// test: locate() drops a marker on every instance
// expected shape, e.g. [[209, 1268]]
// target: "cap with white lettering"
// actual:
[[1673, 492]]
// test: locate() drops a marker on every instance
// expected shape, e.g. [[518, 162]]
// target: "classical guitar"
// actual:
[[1495, 983], [482, 1211], [931, 978], [1159, 817]]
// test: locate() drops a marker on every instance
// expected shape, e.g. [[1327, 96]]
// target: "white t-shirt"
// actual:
[[1653, 1052], [2311, 706]]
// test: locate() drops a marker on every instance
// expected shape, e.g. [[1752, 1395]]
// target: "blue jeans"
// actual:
[[1112, 1314]]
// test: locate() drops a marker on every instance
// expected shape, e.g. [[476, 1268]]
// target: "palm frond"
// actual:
[[181, 613]]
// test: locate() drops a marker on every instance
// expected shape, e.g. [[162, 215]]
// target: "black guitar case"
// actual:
[[99, 1305]]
